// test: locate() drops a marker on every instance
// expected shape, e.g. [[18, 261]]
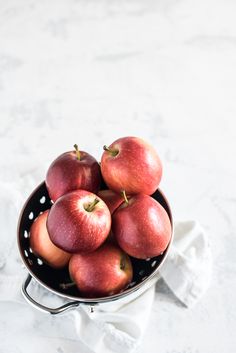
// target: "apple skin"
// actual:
[[112, 199], [136, 168], [106, 271], [74, 229], [42, 246], [68, 173], [142, 227]]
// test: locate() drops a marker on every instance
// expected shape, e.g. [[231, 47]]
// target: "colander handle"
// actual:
[[44, 308]]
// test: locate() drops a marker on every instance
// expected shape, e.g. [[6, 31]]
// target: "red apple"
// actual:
[[111, 199], [71, 171], [131, 164], [142, 227], [106, 271], [42, 246], [79, 222]]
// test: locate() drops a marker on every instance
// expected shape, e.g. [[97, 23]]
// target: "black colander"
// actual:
[[53, 279]]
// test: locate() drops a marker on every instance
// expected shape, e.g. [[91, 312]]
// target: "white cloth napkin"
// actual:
[[115, 328], [187, 272]]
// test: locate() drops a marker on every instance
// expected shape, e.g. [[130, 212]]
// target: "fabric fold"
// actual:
[[120, 328]]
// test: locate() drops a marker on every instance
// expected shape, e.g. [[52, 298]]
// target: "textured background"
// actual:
[[88, 72]]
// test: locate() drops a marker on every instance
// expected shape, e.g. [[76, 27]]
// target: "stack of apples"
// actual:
[[94, 229]]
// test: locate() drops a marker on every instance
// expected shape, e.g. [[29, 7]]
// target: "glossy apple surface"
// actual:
[[43, 247], [131, 164], [104, 272], [111, 198], [79, 222], [71, 171], [142, 227]]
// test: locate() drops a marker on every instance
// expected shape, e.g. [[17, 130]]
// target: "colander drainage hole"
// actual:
[[131, 284], [31, 215], [42, 200], [153, 263], [30, 262], [40, 262], [141, 272], [26, 234], [26, 253]]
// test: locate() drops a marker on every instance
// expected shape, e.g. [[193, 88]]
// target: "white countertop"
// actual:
[[88, 72]]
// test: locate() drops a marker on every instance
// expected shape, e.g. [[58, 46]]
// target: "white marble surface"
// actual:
[[91, 71]]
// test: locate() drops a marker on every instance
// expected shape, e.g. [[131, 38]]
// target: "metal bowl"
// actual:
[[52, 279]]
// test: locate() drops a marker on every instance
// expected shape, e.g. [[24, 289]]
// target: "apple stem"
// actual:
[[124, 196], [111, 151], [77, 152], [67, 285], [91, 206]]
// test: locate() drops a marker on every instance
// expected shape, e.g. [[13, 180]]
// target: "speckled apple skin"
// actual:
[[67, 173], [74, 229], [99, 273], [136, 168], [142, 227]]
